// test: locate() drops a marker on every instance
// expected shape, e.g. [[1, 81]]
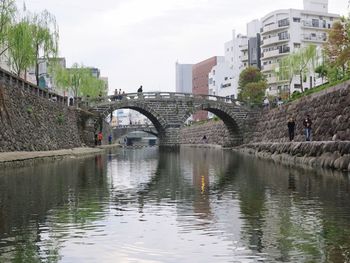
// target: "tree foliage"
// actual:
[[45, 38], [20, 46], [301, 63], [249, 75], [79, 79], [7, 14], [32, 38], [337, 49], [252, 85]]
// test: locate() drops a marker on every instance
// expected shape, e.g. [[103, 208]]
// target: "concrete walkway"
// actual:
[[24, 158]]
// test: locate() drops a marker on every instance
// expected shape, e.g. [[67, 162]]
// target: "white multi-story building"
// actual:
[[223, 78], [285, 31], [183, 78], [240, 52]]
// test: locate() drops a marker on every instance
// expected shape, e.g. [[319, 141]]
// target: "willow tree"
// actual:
[[20, 47], [7, 14], [45, 38], [301, 63], [79, 80]]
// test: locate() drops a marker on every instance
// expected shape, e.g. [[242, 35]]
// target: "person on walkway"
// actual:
[[100, 137], [96, 139], [291, 128], [110, 139], [140, 89], [266, 103], [204, 139], [307, 126]]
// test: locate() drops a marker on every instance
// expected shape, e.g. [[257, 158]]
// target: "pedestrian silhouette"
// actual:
[[140, 89], [291, 128]]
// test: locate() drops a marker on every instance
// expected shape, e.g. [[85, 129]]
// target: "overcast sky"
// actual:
[[137, 42]]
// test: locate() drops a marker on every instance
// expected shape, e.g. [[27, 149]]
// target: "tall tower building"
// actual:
[[183, 78]]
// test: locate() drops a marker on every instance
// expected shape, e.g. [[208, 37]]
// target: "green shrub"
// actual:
[[29, 110], [60, 118]]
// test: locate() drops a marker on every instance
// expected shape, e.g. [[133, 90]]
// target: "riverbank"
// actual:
[[19, 159], [319, 154]]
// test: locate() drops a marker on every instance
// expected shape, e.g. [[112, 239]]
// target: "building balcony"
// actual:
[[275, 53], [275, 79], [314, 25], [243, 47], [274, 40], [273, 27], [271, 80], [269, 67], [314, 38], [244, 57], [270, 54]]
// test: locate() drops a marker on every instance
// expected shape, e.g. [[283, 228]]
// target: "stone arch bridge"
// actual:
[[168, 112], [121, 131]]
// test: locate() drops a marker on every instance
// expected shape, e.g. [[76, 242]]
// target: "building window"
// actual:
[[296, 19], [296, 45], [283, 22], [283, 35], [315, 23]]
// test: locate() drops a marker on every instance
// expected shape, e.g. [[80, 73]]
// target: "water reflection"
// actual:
[[41, 205], [190, 206]]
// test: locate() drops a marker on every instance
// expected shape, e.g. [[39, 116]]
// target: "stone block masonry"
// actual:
[[329, 111], [215, 132], [32, 123]]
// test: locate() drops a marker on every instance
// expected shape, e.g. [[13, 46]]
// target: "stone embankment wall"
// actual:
[[215, 132], [329, 111], [29, 122], [330, 147], [334, 155]]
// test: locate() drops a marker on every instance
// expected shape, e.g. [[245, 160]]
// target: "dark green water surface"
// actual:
[[192, 206]]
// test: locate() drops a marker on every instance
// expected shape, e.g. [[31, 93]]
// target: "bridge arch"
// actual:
[[231, 119], [157, 120]]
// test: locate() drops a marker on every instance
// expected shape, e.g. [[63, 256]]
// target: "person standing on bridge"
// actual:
[[140, 89]]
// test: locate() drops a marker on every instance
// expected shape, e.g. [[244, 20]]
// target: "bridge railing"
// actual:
[[134, 126], [161, 95]]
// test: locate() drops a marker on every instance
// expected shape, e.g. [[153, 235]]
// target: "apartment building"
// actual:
[[285, 31], [183, 78], [240, 52]]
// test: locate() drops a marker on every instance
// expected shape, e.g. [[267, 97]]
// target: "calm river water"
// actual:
[[193, 206]]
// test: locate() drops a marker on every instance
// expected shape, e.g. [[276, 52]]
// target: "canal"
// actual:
[[192, 206]]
